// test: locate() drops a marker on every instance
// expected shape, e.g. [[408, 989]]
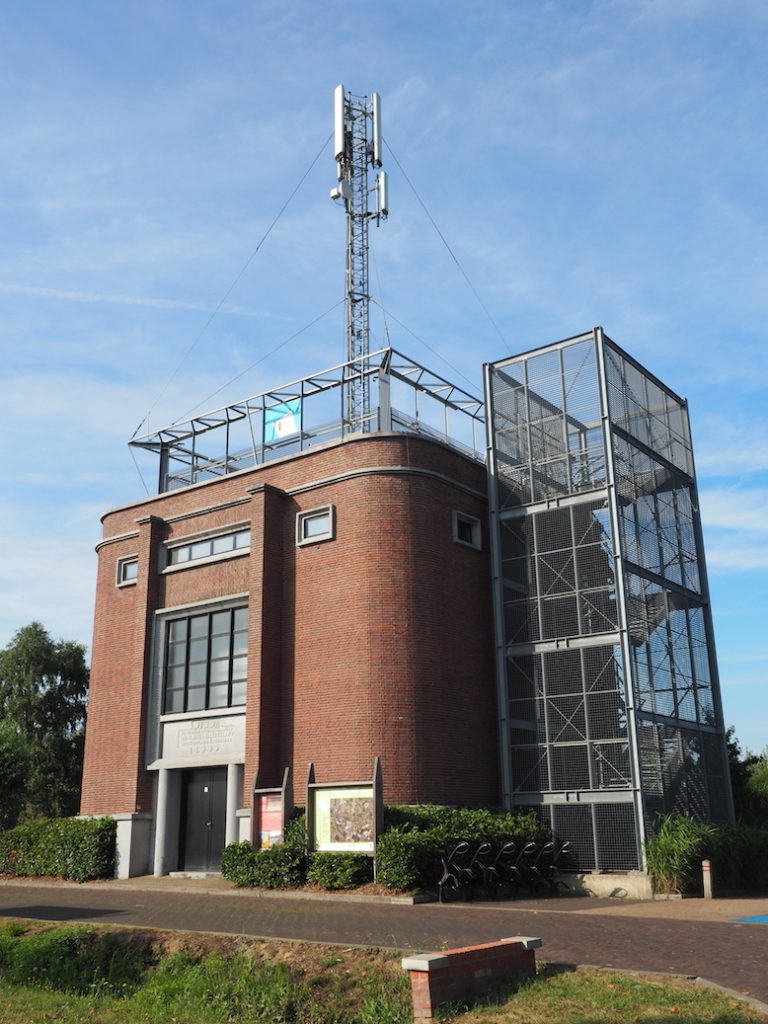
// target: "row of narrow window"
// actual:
[[311, 527]]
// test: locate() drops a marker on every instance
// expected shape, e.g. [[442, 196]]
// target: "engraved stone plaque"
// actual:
[[202, 738]]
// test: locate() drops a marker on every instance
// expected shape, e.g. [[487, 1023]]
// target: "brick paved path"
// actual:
[[574, 931]]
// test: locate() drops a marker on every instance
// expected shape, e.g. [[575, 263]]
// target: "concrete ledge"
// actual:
[[526, 941], [439, 978], [425, 962], [632, 885]]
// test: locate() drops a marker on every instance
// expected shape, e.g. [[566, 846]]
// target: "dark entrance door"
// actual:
[[203, 818]]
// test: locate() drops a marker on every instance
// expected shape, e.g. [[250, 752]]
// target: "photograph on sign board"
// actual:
[[352, 820]]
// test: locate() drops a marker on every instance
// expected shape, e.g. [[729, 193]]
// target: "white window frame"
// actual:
[[475, 525], [312, 513], [205, 535], [120, 569]]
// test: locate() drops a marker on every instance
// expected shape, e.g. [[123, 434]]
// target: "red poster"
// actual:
[[269, 819]]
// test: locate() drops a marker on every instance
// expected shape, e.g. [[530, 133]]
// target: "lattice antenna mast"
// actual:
[[357, 148]]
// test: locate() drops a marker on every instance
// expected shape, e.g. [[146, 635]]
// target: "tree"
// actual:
[[757, 788], [14, 766], [43, 691], [749, 779]]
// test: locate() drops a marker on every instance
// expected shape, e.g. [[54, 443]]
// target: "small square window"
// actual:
[[127, 570], [315, 524], [467, 530]]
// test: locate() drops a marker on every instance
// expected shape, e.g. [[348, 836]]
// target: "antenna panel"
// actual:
[[376, 108], [338, 122], [382, 193]]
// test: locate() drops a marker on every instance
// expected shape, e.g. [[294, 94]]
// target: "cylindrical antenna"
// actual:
[[338, 124], [382, 193], [376, 110]]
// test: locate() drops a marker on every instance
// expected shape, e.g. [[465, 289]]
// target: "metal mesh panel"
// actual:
[[557, 572], [611, 766], [563, 672], [651, 771], [682, 772], [521, 621], [547, 425], [717, 783], [569, 767], [670, 659], [530, 769], [656, 516], [641, 407], [696, 780], [606, 715], [567, 719], [571, 704], [603, 669], [616, 837], [574, 824]]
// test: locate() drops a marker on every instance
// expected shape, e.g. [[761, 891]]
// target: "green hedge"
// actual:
[[416, 838], [279, 867], [738, 853], [408, 860], [407, 857], [60, 847], [473, 824], [339, 870]]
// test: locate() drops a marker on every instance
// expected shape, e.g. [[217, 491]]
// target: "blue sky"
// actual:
[[589, 162]]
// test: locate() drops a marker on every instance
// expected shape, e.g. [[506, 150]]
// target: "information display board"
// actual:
[[345, 818], [269, 819]]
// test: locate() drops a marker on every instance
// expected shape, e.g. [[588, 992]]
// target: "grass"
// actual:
[[110, 976], [585, 996], [91, 975]]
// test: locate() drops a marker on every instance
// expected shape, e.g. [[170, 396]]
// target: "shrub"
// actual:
[[279, 867], [237, 864], [410, 851], [675, 851], [60, 847], [339, 870], [739, 856], [408, 860], [473, 824]]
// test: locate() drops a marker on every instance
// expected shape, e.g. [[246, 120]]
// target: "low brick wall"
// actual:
[[438, 978]]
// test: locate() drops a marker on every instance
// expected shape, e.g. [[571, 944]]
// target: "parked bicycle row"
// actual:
[[505, 871]]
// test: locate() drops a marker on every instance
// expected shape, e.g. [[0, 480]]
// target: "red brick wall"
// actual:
[[378, 642]]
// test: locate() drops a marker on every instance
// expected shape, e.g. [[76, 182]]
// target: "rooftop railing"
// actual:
[[404, 397]]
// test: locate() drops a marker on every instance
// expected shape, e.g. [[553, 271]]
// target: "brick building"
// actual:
[[329, 603]]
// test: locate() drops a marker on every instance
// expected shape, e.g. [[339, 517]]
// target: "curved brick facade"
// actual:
[[378, 642]]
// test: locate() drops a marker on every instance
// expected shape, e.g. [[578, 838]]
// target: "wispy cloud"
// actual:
[[736, 525], [728, 446], [736, 509], [743, 556], [122, 300]]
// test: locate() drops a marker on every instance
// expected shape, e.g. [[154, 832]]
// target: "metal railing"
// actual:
[[405, 397]]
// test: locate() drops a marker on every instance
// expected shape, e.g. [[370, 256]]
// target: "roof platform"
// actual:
[[405, 397]]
